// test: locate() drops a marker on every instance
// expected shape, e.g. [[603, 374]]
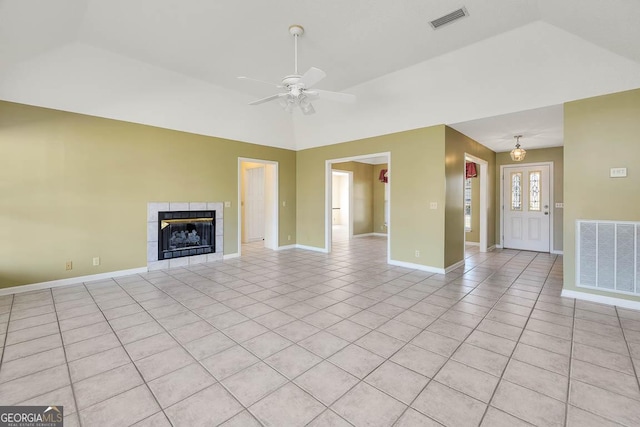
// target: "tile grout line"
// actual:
[[64, 351], [183, 347], [568, 394], [129, 356], [462, 342], [6, 335], [486, 410], [324, 359], [633, 365]]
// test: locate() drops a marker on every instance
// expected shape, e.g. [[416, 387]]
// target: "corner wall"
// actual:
[[417, 178], [456, 146], [74, 187], [600, 133]]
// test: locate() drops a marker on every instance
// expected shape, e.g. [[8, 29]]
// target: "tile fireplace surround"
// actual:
[[152, 233]]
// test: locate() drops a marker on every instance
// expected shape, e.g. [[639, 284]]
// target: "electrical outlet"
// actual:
[[69, 265], [96, 261], [417, 254], [289, 237], [433, 205], [227, 204], [284, 203]]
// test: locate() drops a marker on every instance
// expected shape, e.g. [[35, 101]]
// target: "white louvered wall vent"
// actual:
[[449, 18], [608, 256]]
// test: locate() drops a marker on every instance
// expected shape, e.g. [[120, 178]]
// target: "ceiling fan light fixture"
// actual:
[[518, 154]]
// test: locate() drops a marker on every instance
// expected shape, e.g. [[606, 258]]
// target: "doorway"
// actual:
[[369, 191], [526, 201], [482, 205], [258, 202], [341, 205]]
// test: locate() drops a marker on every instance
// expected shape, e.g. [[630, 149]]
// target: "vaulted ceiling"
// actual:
[[504, 69]]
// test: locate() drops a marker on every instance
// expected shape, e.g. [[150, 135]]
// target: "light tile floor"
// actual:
[[297, 338]]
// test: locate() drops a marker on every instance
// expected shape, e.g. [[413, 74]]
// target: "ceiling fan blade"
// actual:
[[336, 96], [263, 100], [311, 77], [259, 81]]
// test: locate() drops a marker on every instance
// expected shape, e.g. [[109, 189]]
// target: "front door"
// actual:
[[526, 208]]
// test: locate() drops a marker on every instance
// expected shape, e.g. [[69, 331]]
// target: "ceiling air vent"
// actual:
[[449, 18]]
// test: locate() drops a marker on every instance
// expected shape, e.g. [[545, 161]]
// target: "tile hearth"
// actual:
[[295, 338]]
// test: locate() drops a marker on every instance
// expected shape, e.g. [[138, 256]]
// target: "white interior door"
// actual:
[[254, 204], [526, 209]]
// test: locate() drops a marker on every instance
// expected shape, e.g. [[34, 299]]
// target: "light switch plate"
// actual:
[[618, 172], [560, 205], [433, 205], [227, 204]]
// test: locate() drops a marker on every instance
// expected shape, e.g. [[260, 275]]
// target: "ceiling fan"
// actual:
[[298, 88]]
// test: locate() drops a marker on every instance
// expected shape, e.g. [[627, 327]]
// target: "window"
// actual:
[[516, 191], [467, 204], [534, 191]]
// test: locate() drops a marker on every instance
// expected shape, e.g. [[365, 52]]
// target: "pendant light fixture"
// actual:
[[517, 154]]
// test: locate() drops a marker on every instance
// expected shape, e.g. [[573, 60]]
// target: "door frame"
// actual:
[[350, 185], [271, 230], [551, 200], [328, 194], [484, 200]]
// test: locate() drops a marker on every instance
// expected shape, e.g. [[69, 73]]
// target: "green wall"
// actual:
[[362, 195], [554, 155], [600, 133], [74, 187], [417, 178], [457, 145]]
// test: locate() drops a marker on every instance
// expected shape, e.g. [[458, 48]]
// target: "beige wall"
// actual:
[[473, 236], [362, 195], [600, 133], [554, 155], [457, 145], [74, 187], [417, 177], [379, 225]]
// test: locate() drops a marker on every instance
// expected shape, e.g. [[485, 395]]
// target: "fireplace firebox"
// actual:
[[186, 233]]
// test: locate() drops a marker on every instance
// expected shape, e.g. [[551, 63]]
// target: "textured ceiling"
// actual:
[[174, 63]]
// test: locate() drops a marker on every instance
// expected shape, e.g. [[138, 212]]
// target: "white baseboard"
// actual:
[[472, 243], [370, 234], [312, 248], [493, 248], [420, 267], [284, 248], [557, 252], [497, 246], [585, 296], [380, 234], [70, 281], [454, 266], [230, 256]]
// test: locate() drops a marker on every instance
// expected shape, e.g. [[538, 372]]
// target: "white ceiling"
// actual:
[[173, 63]]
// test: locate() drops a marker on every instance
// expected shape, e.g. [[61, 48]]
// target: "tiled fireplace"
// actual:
[[187, 232]]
